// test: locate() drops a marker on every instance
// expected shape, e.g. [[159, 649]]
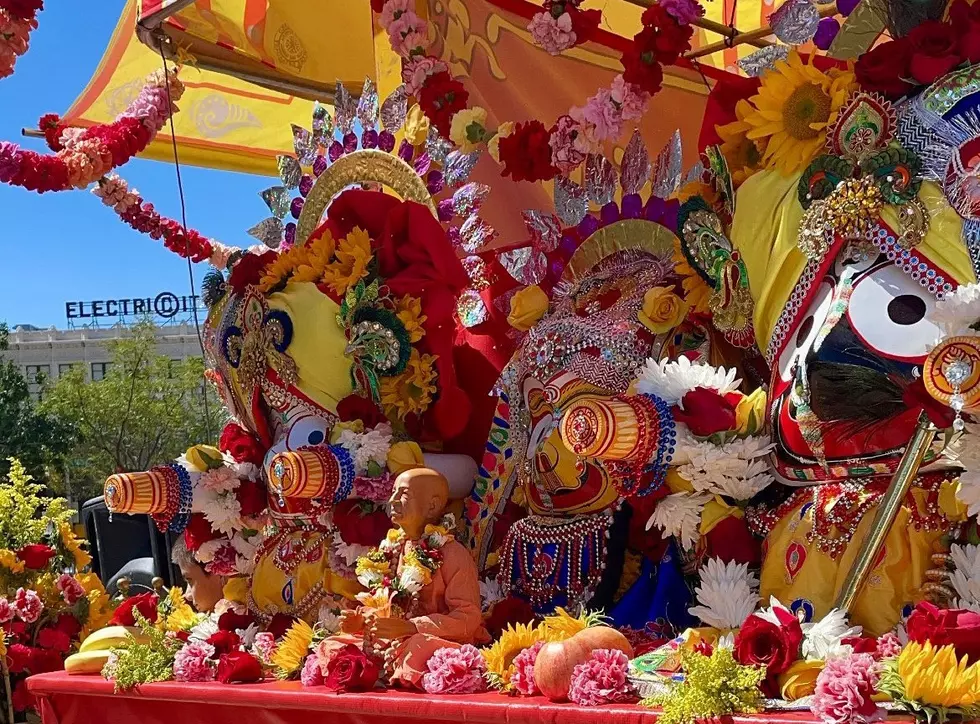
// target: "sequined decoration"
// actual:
[[545, 229], [477, 271], [458, 167], [394, 110], [600, 179], [471, 309], [694, 173], [667, 168], [436, 146], [762, 60], [367, 105], [269, 232], [277, 199], [526, 265], [345, 109], [571, 203], [635, 168], [290, 172], [795, 22], [475, 234], [304, 145], [469, 198], [322, 124]]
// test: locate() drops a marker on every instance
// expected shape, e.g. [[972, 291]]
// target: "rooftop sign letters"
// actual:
[[164, 305]]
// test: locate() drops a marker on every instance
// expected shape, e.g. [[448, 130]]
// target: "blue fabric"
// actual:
[[659, 599]]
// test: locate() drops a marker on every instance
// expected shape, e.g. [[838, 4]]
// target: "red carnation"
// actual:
[[238, 667], [23, 9], [21, 699], [68, 625], [526, 153], [934, 51], [231, 621], [666, 38], [248, 269], [440, 98], [52, 638], [145, 603], [20, 658], [706, 412], [252, 498], [36, 556], [584, 22], [640, 64], [224, 642], [198, 532], [45, 660], [355, 407], [361, 522], [242, 445], [50, 125]]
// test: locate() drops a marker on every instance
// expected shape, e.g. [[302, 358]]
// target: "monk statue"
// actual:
[[423, 592]]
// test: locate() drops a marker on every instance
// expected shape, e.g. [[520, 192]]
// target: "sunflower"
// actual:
[[793, 109], [350, 264], [279, 272], [934, 677], [73, 545], [291, 653], [696, 292], [320, 253], [413, 390], [500, 656], [562, 625], [409, 310], [744, 156]]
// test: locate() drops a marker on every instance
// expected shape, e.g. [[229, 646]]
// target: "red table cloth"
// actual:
[[64, 699]]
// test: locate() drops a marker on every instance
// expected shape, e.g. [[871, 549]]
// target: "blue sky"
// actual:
[[67, 246]]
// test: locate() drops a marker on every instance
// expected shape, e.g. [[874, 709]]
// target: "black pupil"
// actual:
[[906, 309], [804, 332], [316, 437]]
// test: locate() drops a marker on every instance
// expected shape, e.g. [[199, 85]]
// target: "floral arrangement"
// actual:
[[530, 151], [48, 602], [83, 155], [718, 463], [17, 19], [393, 578], [601, 679], [455, 671]]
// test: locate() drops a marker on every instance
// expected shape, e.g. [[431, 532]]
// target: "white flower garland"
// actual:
[[670, 381], [679, 515], [728, 594], [966, 576]]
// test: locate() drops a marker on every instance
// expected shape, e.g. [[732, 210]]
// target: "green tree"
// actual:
[[38, 439], [146, 411]]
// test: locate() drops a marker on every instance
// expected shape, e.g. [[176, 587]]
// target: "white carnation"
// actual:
[[822, 639], [966, 576], [220, 480], [222, 510], [728, 594], [671, 380], [679, 515], [206, 553], [328, 619], [958, 311], [373, 447]]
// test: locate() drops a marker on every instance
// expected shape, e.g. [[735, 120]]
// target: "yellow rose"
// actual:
[[662, 310], [493, 145], [677, 483], [800, 679], [950, 504], [527, 307], [355, 426], [204, 457], [235, 590], [10, 561], [416, 126], [750, 413], [493, 559], [404, 456], [715, 511], [469, 129]]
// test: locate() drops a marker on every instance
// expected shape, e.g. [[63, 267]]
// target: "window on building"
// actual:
[[99, 370], [36, 374], [64, 369]]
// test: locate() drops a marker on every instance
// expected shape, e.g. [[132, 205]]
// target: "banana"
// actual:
[[111, 637], [88, 662]]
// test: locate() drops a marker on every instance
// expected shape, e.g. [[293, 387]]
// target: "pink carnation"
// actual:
[[376, 489], [312, 675], [71, 589], [845, 689], [7, 612], [455, 671], [393, 9], [552, 34], [601, 118], [418, 69], [28, 605], [684, 12], [264, 646], [631, 99], [224, 563], [601, 679], [193, 662], [408, 33], [889, 645], [220, 480], [523, 677]]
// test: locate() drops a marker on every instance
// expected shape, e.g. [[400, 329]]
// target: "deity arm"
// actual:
[[321, 471], [612, 429], [462, 599]]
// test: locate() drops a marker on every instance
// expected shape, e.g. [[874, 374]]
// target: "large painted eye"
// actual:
[[891, 313], [807, 330], [306, 430]]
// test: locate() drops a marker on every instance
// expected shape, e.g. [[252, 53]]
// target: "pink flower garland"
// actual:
[[845, 689], [601, 679], [523, 677], [456, 671], [17, 19]]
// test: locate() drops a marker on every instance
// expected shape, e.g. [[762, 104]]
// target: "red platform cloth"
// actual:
[[67, 699]]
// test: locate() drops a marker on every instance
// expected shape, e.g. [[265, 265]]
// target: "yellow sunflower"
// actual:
[[99, 604], [73, 545], [793, 109], [500, 656], [744, 156], [350, 263], [933, 676], [413, 390], [291, 653], [320, 253], [409, 311], [283, 268], [696, 291]]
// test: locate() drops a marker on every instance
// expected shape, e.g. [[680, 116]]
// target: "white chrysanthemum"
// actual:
[[966, 576], [822, 639], [734, 469], [966, 450], [220, 480], [728, 594], [969, 492], [411, 580], [207, 551], [247, 471], [726, 642], [769, 614], [958, 311], [373, 447], [679, 515], [328, 619], [490, 593], [245, 547], [223, 510], [205, 629], [670, 381]]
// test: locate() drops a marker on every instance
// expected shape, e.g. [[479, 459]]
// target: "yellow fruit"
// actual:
[[111, 637], [88, 662]]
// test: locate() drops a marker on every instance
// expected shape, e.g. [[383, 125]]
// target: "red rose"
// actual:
[[198, 532], [19, 658], [361, 522], [355, 407], [526, 153], [884, 69], [145, 603], [440, 98], [705, 412], [248, 269], [238, 667], [52, 638], [732, 542], [933, 46], [279, 625], [954, 627], [224, 642], [36, 556], [763, 643], [350, 669], [666, 38], [252, 498], [242, 445], [231, 621]]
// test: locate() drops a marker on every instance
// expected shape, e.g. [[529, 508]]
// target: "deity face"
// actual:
[[845, 386]]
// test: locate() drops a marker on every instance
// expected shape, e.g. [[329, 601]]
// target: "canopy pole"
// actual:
[[750, 38], [712, 26]]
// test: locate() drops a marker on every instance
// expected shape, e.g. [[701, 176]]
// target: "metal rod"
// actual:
[[888, 509], [31, 133], [705, 24], [753, 37]]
